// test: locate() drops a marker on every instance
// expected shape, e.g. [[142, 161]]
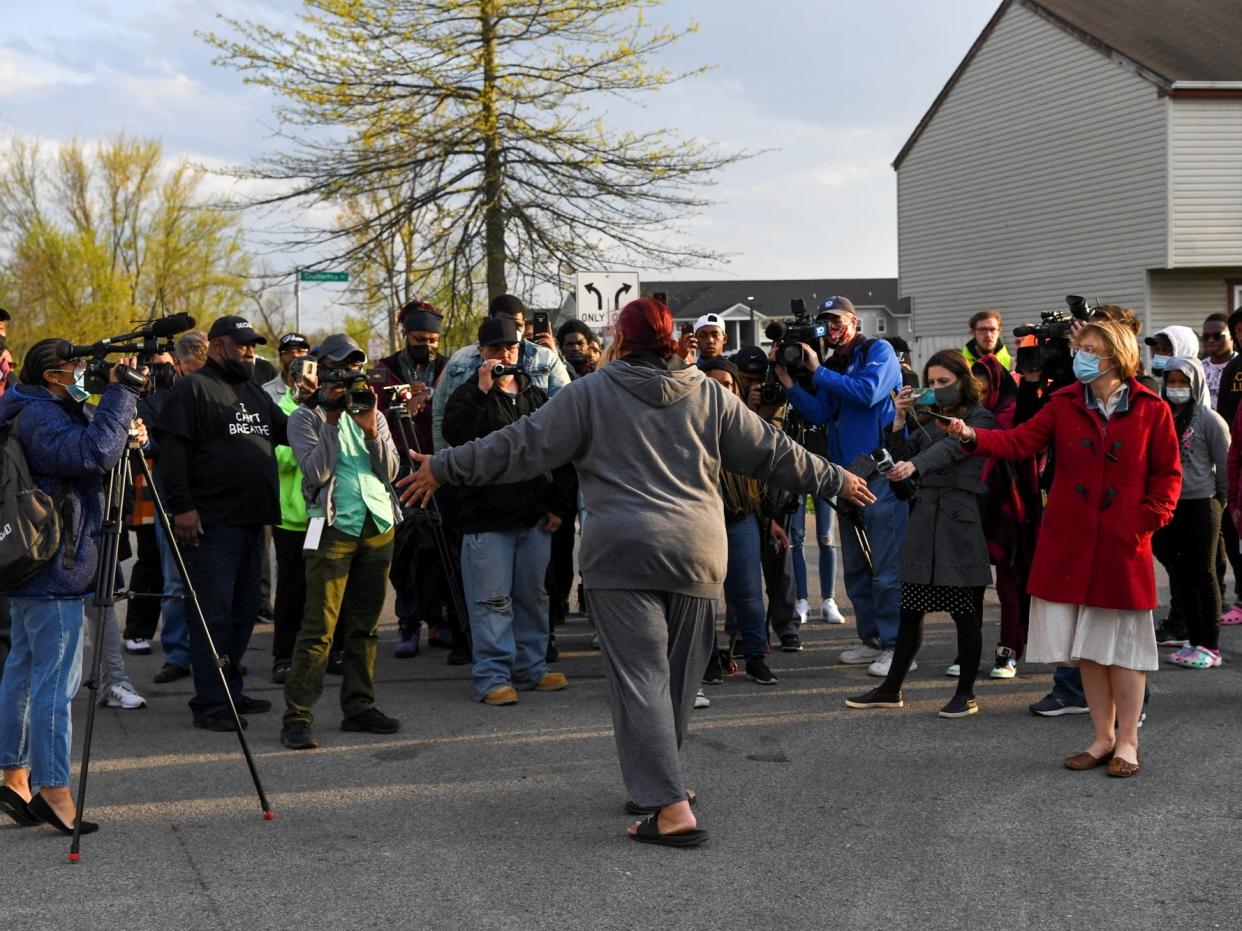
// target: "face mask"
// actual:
[[77, 388], [1087, 366], [1177, 395], [948, 396], [163, 375], [1158, 363], [238, 370], [420, 355]]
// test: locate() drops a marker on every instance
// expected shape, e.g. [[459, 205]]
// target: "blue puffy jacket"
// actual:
[[857, 404], [65, 445]]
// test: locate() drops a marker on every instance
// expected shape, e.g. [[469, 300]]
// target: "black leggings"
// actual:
[[1188, 544], [969, 647]]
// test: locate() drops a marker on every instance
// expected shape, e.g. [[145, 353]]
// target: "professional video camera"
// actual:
[[359, 398], [1050, 351], [787, 334], [150, 339], [392, 397]]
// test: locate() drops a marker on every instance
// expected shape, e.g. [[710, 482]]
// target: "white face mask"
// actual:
[[1177, 395]]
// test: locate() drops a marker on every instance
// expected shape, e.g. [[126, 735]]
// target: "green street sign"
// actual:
[[324, 276]]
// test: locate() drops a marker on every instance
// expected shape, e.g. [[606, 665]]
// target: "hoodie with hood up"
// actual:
[[1185, 343], [1204, 441], [649, 445]]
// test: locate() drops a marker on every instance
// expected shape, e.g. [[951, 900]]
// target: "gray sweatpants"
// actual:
[[655, 647]]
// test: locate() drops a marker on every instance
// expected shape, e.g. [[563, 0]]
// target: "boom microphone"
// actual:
[[171, 326]]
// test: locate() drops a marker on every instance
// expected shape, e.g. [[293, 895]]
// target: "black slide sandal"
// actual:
[[16, 808], [649, 833]]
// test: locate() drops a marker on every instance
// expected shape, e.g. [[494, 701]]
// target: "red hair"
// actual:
[[647, 326]]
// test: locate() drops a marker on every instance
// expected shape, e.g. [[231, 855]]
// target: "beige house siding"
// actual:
[[1187, 297], [1043, 173], [1205, 161]]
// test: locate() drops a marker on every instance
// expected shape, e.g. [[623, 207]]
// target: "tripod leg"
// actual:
[[191, 597]]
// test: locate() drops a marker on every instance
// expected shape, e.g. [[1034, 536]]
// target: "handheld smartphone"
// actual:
[[542, 323], [303, 367], [687, 329]]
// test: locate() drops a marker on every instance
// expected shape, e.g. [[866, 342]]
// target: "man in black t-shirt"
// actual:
[[217, 472]]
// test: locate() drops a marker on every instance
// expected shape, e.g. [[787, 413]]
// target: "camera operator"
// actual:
[[506, 531], [217, 469], [852, 396], [68, 454], [348, 459], [291, 346], [542, 365]]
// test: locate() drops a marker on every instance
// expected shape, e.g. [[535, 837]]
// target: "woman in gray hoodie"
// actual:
[[1186, 546], [649, 444]]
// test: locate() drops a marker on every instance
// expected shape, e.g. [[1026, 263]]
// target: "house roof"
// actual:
[[1170, 41], [771, 297]]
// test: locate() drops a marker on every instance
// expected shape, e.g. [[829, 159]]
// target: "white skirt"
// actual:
[[1064, 633]]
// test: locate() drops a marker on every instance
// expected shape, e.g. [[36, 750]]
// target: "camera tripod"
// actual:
[[119, 479]]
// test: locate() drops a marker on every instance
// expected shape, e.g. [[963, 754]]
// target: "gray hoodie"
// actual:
[[1205, 445], [649, 446]]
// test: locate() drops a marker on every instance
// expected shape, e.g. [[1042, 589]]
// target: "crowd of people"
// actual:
[[491, 486]]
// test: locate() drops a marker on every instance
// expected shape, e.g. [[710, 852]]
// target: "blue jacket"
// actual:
[[857, 404], [63, 443]]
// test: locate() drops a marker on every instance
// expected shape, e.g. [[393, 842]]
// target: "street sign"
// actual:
[[601, 295], [324, 276]]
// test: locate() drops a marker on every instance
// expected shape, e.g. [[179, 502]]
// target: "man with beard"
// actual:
[[985, 339], [575, 338], [217, 468]]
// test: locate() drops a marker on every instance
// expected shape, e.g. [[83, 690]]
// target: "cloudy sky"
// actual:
[[831, 87]]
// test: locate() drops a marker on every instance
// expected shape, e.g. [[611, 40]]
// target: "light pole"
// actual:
[[754, 335]]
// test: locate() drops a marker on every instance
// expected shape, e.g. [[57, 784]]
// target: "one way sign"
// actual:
[[601, 295]]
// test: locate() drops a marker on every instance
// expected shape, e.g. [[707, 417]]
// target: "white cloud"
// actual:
[[22, 72]]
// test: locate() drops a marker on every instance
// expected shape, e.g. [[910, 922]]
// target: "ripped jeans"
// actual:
[[502, 574]]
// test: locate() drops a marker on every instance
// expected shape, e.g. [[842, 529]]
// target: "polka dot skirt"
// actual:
[[928, 599]]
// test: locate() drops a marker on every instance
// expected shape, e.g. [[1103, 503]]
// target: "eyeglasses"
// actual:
[[987, 329], [1213, 336]]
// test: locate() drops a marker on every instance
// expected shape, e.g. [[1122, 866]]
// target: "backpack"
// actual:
[[30, 518]]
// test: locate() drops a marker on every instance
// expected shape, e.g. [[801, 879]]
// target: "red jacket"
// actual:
[[1114, 486]]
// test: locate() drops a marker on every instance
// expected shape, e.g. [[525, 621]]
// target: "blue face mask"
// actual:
[[1086, 366], [77, 389], [1158, 363]]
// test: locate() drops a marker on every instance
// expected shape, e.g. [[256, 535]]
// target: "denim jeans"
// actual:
[[225, 569], [503, 578], [41, 676], [175, 635], [876, 597], [827, 548], [743, 585]]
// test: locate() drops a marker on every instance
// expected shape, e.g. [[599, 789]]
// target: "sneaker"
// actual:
[[714, 673], [1166, 637], [280, 671], [954, 671], [170, 673], [139, 646], [701, 700], [959, 706], [122, 696], [501, 695], [791, 643], [831, 613], [802, 608], [336, 663], [861, 655], [1006, 665], [552, 654], [757, 671], [552, 682], [1232, 616], [406, 646], [882, 665], [371, 721], [296, 735], [248, 705], [876, 699], [1196, 658], [1050, 706]]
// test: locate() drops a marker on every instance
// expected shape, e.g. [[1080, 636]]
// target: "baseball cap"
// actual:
[[836, 306], [340, 349], [291, 341], [498, 331], [238, 329], [4, 315], [709, 320], [750, 360]]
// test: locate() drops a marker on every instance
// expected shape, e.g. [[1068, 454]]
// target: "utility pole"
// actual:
[[297, 300]]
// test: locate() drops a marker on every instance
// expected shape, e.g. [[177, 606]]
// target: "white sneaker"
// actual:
[[123, 697], [954, 671], [802, 609], [701, 700], [139, 646], [860, 655], [831, 613], [881, 666]]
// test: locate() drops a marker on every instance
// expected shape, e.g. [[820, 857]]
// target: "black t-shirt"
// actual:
[[217, 440]]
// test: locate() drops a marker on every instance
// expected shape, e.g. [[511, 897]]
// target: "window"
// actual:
[[1235, 294], [881, 325]]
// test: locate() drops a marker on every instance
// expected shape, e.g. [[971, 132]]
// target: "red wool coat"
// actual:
[[1115, 484]]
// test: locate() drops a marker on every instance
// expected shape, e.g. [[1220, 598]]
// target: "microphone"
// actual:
[[775, 330], [171, 326]]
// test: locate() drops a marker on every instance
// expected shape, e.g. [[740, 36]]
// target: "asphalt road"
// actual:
[[475, 817]]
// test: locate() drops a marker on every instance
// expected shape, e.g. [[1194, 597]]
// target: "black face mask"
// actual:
[[580, 362], [421, 354], [339, 403], [238, 370], [163, 375]]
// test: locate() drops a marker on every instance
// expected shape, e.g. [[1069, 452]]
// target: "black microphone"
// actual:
[[775, 330], [171, 326]]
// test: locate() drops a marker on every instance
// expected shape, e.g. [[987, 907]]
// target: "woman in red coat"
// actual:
[[1092, 583]]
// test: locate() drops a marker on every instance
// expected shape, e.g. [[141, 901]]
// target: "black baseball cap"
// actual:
[[836, 306], [291, 341], [4, 315], [236, 328], [340, 349], [751, 361], [498, 331]]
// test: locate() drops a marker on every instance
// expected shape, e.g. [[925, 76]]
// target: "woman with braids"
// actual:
[[944, 558]]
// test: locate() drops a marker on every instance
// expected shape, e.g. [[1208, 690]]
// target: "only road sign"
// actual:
[[601, 295]]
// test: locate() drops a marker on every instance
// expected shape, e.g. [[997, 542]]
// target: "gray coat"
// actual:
[[944, 542]]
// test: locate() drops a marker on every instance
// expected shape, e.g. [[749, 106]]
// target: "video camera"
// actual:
[[787, 334], [358, 395], [1051, 350], [500, 371], [152, 338]]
